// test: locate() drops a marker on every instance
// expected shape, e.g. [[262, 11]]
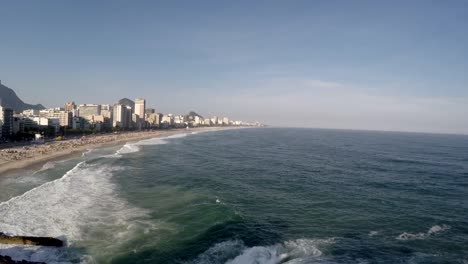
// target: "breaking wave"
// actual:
[[70, 208], [293, 251], [135, 147], [434, 230]]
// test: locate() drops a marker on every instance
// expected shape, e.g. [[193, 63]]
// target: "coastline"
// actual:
[[107, 140]]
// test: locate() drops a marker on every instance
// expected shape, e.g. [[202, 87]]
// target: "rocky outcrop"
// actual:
[[26, 240]]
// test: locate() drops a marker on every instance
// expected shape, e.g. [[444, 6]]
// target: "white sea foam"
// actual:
[[434, 230], [235, 252], [71, 208], [87, 152], [128, 148], [177, 135], [135, 147]]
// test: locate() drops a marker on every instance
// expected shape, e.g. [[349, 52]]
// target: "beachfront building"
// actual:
[[40, 121], [54, 122], [168, 119], [226, 121], [18, 124], [179, 119], [140, 106], [154, 119], [197, 121], [106, 110], [207, 122], [6, 122], [65, 117], [214, 120], [122, 116], [87, 110]]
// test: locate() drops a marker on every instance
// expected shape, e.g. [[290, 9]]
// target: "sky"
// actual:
[[378, 65]]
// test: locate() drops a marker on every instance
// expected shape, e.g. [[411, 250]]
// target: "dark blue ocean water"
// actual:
[[266, 195]]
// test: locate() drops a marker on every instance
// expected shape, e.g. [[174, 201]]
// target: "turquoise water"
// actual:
[[266, 195]]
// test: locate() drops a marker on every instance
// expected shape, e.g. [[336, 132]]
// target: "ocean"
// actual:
[[263, 195]]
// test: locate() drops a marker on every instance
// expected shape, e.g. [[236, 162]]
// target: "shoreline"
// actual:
[[70, 150]]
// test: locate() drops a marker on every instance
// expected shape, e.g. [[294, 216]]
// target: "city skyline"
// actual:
[[362, 65]]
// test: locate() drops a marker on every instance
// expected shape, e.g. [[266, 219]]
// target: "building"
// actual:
[[40, 121], [106, 110], [207, 122], [65, 117], [178, 119], [6, 122], [87, 110], [140, 105], [226, 121], [29, 123], [198, 121], [31, 112], [155, 119], [214, 120], [122, 116], [168, 119], [70, 107], [149, 111]]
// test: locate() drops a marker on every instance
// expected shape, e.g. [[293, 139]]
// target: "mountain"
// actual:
[[9, 99]]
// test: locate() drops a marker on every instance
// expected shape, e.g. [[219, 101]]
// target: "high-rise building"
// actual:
[[86, 110], [140, 105], [65, 117], [214, 120], [122, 116], [106, 111], [70, 106], [6, 122]]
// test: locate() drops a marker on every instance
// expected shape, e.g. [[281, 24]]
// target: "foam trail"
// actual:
[[434, 230], [293, 251]]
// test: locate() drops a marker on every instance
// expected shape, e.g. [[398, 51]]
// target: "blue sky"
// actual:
[[384, 65]]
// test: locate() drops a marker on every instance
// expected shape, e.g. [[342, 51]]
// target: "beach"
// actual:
[[22, 157]]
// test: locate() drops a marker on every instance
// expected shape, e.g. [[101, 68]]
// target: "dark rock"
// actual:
[[26, 240]]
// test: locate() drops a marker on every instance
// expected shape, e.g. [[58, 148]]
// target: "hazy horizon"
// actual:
[[361, 65]]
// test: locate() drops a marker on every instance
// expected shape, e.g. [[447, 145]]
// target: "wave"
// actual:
[[434, 230], [72, 208], [293, 251], [128, 148], [135, 147]]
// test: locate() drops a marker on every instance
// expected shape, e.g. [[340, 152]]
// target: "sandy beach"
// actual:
[[22, 157]]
